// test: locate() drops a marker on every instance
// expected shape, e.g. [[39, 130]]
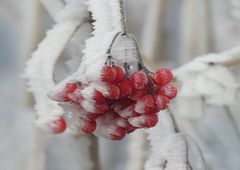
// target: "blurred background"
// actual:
[[170, 33]]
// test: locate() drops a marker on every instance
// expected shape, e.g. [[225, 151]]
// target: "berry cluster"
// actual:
[[117, 104]]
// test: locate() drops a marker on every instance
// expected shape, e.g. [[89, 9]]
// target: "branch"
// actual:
[[171, 149]]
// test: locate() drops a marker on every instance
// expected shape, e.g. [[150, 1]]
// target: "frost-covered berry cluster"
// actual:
[[117, 104]]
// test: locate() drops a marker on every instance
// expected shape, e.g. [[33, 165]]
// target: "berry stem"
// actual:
[[123, 16], [112, 42]]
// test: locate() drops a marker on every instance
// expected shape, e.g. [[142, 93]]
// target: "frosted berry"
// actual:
[[113, 92], [145, 105], [86, 126], [125, 88], [144, 121], [137, 94], [101, 107], [162, 102], [68, 89], [168, 90], [120, 75], [162, 76], [76, 96], [139, 80], [58, 126], [108, 74], [98, 97], [116, 133]]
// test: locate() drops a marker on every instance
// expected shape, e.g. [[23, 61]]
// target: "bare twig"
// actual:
[[94, 153]]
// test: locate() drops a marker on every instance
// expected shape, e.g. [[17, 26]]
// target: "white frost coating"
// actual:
[[213, 82], [95, 53], [137, 121], [101, 13], [171, 150], [39, 69]]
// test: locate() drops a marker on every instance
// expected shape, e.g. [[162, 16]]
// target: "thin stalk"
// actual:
[[123, 16], [94, 153]]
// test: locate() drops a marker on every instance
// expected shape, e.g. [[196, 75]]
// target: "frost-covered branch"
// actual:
[[171, 150], [39, 69]]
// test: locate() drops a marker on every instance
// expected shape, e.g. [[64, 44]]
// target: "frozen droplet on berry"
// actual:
[[58, 126], [162, 76], [162, 102], [108, 74], [125, 88], [120, 75], [145, 105], [144, 121], [168, 90], [138, 80]]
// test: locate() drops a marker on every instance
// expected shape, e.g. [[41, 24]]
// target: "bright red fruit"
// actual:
[[98, 97], [145, 105], [162, 76], [137, 94], [139, 80], [108, 74], [87, 126], [120, 75], [58, 125], [162, 102], [125, 88], [113, 92], [101, 108], [68, 89], [116, 133], [144, 121], [168, 90]]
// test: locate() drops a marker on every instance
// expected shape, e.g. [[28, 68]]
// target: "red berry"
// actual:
[[98, 97], [120, 75], [168, 90], [87, 126], [108, 74], [101, 108], [137, 94], [113, 92], [128, 112], [116, 133], [145, 105], [76, 96], [162, 102], [125, 88], [58, 125], [144, 121], [162, 76], [139, 80], [68, 89]]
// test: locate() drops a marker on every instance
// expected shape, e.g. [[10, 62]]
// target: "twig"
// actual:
[[94, 153], [123, 16]]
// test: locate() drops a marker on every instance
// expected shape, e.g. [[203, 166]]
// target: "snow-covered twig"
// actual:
[[39, 69], [171, 150]]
